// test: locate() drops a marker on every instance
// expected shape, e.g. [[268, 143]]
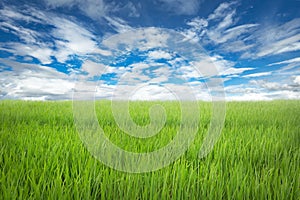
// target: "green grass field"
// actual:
[[256, 157]]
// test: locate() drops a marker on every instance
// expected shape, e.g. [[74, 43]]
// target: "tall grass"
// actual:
[[256, 157]]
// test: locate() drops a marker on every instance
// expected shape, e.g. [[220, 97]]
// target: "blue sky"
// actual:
[[149, 49]]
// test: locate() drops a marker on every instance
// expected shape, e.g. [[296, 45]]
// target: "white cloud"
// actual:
[[294, 60], [118, 24], [93, 68], [216, 66], [129, 9], [227, 21], [9, 13], [219, 29], [210, 66], [159, 92], [258, 94], [258, 74], [283, 85], [233, 70], [145, 39], [234, 32], [274, 39], [27, 35], [297, 80], [250, 97], [34, 82], [152, 92], [159, 55], [222, 33], [67, 37], [130, 75], [197, 30], [221, 11], [133, 10], [221, 63], [281, 46], [72, 39], [236, 46], [198, 23], [58, 3], [196, 70], [159, 79], [265, 89], [181, 7], [253, 40], [41, 52], [97, 9], [151, 78], [94, 9]]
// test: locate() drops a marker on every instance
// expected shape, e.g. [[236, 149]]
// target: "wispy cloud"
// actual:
[[118, 24], [275, 39], [220, 28], [128, 9], [252, 40], [257, 74], [222, 10], [281, 46], [64, 39], [181, 7], [233, 70], [294, 60], [91, 8]]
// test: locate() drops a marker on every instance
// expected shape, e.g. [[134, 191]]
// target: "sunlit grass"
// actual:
[[256, 157]]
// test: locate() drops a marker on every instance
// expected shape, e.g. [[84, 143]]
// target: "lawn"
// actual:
[[256, 157]]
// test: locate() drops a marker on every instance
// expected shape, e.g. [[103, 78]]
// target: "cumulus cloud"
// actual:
[[34, 82], [215, 65], [276, 86], [149, 92], [145, 39], [93, 68], [259, 90], [297, 80], [152, 92], [159, 55]]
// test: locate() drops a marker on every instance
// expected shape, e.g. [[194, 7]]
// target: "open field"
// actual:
[[256, 157]]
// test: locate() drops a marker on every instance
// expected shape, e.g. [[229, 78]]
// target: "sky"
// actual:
[[150, 50]]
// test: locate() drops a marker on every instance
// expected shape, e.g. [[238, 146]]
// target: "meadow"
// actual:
[[256, 157]]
